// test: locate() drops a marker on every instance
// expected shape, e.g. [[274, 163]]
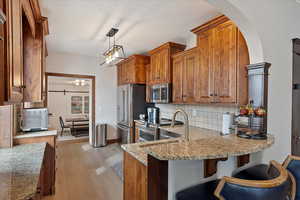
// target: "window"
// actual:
[[76, 105], [80, 104], [86, 104]]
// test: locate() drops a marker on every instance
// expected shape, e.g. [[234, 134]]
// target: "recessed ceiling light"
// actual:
[[298, 1]]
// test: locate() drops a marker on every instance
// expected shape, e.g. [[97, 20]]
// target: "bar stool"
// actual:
[[260, 172], [279, 186]]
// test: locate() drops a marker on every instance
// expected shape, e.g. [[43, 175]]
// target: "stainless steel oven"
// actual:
[[161, 93]]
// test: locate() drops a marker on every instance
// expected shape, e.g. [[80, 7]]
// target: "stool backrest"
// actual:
[[279, 187], [292, 163]]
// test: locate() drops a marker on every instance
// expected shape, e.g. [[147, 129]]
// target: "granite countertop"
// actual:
[[203, 144], [20, 168], [49, 132]]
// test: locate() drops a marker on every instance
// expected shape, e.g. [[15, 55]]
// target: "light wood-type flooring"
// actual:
[[77, 177]]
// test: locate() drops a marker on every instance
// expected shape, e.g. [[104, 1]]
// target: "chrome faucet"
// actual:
[[186, 122]]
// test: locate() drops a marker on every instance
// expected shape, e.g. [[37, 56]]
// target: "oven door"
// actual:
[[124, 132], [155, 94]]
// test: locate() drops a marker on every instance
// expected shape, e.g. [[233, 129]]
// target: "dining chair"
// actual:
[[280, 185], [62, 125], [260, 172]]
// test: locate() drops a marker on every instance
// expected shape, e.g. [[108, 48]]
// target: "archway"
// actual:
[[252, 38]]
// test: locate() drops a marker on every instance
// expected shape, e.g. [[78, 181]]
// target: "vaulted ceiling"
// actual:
[[80, 26]]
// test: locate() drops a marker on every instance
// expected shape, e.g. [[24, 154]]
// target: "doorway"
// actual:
[[70, 99], [296, 99]]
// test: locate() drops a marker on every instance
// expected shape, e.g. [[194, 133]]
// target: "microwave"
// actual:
[[161, 93], [34, 119]]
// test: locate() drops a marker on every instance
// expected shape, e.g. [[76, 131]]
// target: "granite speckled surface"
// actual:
[[203, 144], [49, 132], [20, 170]]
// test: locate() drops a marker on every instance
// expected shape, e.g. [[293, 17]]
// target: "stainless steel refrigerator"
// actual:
[[296, 99], [131, 103]]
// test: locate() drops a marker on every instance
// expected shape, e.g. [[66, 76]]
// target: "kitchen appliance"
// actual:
[[34, 119], [227, 123], [151, 132], [131, 100], [296, 98], [160, 93], [153, 115]]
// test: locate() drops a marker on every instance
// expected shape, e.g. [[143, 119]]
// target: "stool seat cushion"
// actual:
[[258, 172], [203, 191]]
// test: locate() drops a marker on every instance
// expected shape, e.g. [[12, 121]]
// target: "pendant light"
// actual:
[[114, 53]]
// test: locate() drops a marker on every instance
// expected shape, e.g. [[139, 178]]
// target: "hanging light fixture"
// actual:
[[115, 52]]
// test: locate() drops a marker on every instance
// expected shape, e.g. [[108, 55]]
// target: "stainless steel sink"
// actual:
[[168, 135]]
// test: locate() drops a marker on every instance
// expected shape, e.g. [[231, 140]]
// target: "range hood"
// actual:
[[2, 17]]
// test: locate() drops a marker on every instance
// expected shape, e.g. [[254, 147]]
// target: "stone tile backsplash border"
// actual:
[[204, 116]]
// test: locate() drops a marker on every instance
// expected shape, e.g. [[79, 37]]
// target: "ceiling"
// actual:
[[80, 26]]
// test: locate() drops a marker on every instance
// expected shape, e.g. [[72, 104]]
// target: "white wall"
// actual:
[[106, 83], [276, 23], [63, 108]]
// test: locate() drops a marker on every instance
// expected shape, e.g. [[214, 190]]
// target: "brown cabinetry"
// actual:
[[132, 70], [184, 67], [24, 40], [2, 59], [135, 179], [220, 76], [161, 63]]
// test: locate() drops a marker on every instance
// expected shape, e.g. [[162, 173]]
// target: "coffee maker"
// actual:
[[153, 115]]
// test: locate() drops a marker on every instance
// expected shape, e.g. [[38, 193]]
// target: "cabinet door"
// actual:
[[154, 71], [177, 79], [119, 74], [189, 67], [224, 63], [15, 51], [33, 64], [2, 61], [203, 77], [164, 66], [130, 71]]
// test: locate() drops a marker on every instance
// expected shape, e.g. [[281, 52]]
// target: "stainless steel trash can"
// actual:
[[100, 136]]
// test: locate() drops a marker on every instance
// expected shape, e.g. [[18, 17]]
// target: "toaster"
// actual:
[[34, 119]]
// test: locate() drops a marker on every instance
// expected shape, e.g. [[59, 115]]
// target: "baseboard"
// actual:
[[81, 140], [112, 141], [73, 141]]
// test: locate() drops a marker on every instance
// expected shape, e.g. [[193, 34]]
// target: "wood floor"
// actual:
[[77, 179]]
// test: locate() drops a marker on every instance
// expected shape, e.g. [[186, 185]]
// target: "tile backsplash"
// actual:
[[204, 116]]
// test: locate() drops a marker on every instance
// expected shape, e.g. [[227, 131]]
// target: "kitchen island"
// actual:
[[158, 169], [21, 171]]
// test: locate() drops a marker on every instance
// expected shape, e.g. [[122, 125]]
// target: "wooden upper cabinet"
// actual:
[[132, 70], [191, 62], [204, 85], [161, 62], [184, 67], [178, 63], [223, 57], [224, 63], [24, 49], [2, 60]]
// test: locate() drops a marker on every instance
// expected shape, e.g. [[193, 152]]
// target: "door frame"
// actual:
[[90, 77]]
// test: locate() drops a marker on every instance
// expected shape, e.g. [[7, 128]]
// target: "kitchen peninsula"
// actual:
[[22, 171], [158, 169]]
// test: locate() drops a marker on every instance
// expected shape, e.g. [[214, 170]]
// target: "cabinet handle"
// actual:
[[22, 86], [211, 95]]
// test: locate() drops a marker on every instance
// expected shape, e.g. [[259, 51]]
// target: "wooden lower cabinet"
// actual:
[[135, 179], [49, 167]]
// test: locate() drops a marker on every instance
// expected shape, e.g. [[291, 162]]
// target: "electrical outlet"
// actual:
[[194, 113]]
